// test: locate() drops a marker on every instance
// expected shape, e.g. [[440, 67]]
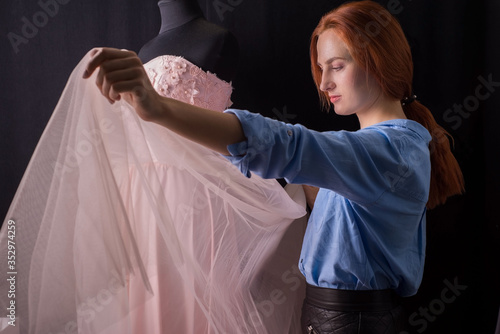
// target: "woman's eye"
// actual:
[[337, 68]]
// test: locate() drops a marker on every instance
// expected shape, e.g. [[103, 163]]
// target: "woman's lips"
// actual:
[[334, 98]]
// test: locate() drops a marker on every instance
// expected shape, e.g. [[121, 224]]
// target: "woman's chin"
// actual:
[[341, 112]]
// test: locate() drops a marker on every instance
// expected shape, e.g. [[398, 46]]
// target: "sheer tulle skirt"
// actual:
[[123, 227]]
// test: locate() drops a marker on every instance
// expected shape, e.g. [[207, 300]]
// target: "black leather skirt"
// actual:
[[351, 311]]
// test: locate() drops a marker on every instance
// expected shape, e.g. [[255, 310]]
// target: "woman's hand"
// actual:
[[122, 75]]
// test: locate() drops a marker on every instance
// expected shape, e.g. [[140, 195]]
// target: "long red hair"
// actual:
[[378, 45]]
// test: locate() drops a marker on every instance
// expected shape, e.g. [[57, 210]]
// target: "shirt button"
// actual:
[[290, 132]]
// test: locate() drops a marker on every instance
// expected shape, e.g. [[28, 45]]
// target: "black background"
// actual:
[[455, 46]]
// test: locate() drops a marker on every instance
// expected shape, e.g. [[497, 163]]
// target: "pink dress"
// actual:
[[124, 227]]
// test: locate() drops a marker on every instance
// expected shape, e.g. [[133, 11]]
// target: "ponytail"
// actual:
[[446, 176]]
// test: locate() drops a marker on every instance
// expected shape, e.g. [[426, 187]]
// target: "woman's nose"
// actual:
[[326, 83]]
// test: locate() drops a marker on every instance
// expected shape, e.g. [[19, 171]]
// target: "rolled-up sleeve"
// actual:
[[358, 165], [263, 137]]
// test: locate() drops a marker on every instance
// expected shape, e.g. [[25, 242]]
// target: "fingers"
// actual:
[[125, 81], [120, 82], [116, 71], [119, 71], [101, 55]]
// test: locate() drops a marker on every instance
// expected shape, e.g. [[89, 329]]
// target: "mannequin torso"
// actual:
[[184, 32]]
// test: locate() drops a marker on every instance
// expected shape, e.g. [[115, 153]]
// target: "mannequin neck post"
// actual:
[[175, 13]]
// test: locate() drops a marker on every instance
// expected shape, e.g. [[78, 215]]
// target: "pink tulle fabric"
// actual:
[[121, 226]]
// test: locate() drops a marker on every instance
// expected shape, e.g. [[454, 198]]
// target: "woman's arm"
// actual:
[[209, 128], [360, 165], [121, 74]]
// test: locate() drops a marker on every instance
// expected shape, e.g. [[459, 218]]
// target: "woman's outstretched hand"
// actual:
[[121, 75]]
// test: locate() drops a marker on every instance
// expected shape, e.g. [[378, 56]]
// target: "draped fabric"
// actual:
[[120, 226]]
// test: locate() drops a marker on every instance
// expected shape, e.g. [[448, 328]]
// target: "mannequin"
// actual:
[[182, 27]]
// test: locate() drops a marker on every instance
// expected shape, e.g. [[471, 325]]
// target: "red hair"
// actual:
[[378, 45]]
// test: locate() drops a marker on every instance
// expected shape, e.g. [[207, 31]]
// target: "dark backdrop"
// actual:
[[457, 75]]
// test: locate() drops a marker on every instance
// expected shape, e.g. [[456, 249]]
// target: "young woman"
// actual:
[[365, 241]]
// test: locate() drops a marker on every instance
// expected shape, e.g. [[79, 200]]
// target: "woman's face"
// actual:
[[350, 90]]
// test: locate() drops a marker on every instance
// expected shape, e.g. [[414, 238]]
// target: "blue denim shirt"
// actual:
[[367, 228]]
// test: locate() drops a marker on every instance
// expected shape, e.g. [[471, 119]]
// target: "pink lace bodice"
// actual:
[[177, 78]]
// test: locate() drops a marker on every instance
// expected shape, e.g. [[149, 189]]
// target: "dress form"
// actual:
[[138, 254], [185, 32]]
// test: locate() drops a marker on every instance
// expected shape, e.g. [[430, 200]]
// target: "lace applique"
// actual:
[[177, 78]]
